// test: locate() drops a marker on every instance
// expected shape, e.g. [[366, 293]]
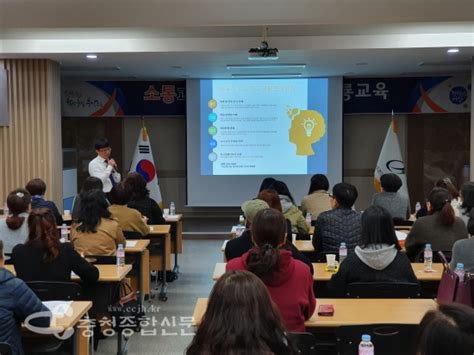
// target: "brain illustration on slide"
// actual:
[[307, 128]]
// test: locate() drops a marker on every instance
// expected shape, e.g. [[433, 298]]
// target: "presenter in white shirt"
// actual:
[[103, 167]]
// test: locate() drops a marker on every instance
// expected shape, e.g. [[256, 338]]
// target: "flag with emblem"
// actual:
[[144, 164], [390, 159]]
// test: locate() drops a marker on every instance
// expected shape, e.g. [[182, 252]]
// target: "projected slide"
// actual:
[[264, 127]]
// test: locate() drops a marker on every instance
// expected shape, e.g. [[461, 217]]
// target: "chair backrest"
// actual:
[[398, 222], [303, 343], [8, 260], [388, 339], [101, 259], [383, 290], [56, 290], [132, 235], [5, 349]]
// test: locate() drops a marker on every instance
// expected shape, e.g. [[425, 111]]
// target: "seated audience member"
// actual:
[[463, 252], [14, 228], [290, 211], [37, 189], [376, 259], [141, 201], [317, 200], [240, 318], [238, 246], [392, 200], [266, 183], [91, 183], [441, 228], [95, 232], [341, 224], [44, 258], [271, 197], [289, 281], [456, 201], [17, 302], [467, 202], [447, 330], [445, 184], [129, 219]]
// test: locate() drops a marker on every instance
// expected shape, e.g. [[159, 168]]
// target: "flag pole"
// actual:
[[144, 132]]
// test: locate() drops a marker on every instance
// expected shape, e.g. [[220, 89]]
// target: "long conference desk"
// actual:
[[71, 319], [356, 311], [107, 273], [322, 275]]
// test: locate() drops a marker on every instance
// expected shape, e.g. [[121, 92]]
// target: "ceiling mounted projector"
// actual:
[[263, 51]]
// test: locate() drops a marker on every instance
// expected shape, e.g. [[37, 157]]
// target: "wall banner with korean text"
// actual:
[[123, 98], [407, 95]]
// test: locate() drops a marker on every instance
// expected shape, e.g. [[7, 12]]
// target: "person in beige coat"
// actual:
[[129, 219], [95, 232], [317, 200]]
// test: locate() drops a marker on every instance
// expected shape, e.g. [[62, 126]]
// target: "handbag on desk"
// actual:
[[451, 289]]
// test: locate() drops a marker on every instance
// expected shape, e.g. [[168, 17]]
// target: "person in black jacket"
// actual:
[[44, 258], [238, 246], [37, 189], [341, 224], [141, 201], [376, 259], [17, 302]]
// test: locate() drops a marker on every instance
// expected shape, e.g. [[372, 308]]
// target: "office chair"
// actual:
[[5, 349], [388, 339], [303, 343], [383, 290]]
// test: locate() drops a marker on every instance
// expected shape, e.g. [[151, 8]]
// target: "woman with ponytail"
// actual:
[[289, 281], [441, 228], [14, 229], [44, 258]]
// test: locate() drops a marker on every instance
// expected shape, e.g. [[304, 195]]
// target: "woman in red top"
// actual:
[[289, 281]]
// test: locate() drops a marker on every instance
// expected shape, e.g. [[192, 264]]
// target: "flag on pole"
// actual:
[[144, 164], [390, 159]]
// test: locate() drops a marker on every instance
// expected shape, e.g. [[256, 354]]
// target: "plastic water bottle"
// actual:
[[240, 227], [120, 255], [365, 346], [308, 218], [64, 233], [428, 257], [417, 206], [172, 209], [459, 270], [342, 252], [5, 210]]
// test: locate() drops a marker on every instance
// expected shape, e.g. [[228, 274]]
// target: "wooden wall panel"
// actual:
[[31, 145]]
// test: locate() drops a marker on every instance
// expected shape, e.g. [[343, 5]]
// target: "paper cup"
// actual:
[[331, 260]]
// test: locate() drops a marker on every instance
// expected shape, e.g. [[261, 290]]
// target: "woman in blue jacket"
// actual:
[[17, 302]]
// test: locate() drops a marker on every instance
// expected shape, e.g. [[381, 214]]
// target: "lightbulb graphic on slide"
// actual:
[[307, 128], [212, 104]]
